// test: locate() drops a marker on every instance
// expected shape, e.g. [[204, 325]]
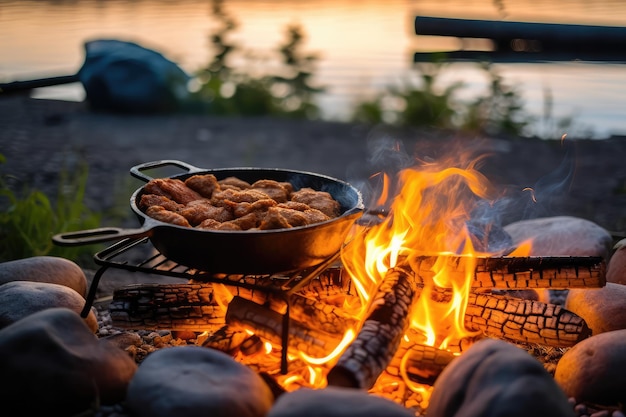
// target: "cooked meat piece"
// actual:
[[288, 186], [312, 215], [274, 220], [209, 224], [248, 196], [228, 226], [233, 183], [320, 200], [315, 216], [273, 189], [204, 185], [174, 189], [249, 221], [241, 209], [198, 211], [278, 217], [295, 206], [166, 216], [148, 200]]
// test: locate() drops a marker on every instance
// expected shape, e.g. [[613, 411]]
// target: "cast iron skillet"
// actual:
[[249, 252]]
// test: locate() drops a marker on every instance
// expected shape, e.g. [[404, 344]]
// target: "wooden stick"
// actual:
[[524, 320], [504, 272], [387, 320]]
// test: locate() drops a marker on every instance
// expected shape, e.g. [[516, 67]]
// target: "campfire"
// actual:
[[419, 279]]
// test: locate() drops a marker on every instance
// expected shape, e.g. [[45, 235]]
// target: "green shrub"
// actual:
[[29, 219], [225, 90]]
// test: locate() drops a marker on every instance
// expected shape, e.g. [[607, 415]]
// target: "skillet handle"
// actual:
[[102, 234], [137, 170]]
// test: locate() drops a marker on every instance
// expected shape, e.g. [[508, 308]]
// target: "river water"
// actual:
[[364, 46]]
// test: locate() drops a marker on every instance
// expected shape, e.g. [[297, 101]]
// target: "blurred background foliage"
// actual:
[[288, 90]]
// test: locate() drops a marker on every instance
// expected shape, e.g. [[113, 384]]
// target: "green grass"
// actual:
[[29, 218]]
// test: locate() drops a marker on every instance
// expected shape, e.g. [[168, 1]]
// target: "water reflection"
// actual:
[[364, 45]]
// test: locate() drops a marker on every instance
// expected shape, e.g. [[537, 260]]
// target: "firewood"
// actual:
[[504, 272], [378, 339], [227, 340], [190, 307], [423, 364], [177, 307], [524, 320], [268, 324]]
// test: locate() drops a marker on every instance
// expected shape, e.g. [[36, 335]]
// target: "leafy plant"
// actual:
[[426, 103], [225, 90], [500, 110], [29, 219], [417, 102]]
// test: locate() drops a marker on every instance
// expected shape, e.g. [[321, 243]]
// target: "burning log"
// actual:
[[190, 307], [387, 320], [505, 272], [524, 320], [330, 318], [194, 307], [423, 364], [227, 340], [268, 324]]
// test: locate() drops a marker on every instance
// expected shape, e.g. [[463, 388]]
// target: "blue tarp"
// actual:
[[125, 77]]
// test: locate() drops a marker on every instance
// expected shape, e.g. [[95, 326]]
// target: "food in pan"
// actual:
[[204, 202]]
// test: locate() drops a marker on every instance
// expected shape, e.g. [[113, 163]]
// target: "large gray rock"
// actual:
[[603, 309], [50, 269], [53, 365], [335, 402], [20, 299], [562, 236], [616, 269], [494, 378], [594, 370], [195, 381]]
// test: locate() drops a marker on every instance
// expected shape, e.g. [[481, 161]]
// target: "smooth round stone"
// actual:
[[53, 365], [562, 236], [49, 269], [616, 269], [603, 309], [335, 402], [193, 381], [495, 378], [594, 370], [19, 299]]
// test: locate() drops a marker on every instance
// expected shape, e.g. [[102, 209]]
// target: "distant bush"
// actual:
[[425, 103], [29, 219], [225, 90]]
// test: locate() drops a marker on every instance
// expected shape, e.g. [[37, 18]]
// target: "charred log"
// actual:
[[243, 314], [524, 320], [195, 307], [227, 340], [504, 272], [423, 364], [190, 307], [387, 320]]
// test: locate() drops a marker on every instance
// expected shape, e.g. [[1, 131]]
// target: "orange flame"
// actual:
[[428, 216]]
